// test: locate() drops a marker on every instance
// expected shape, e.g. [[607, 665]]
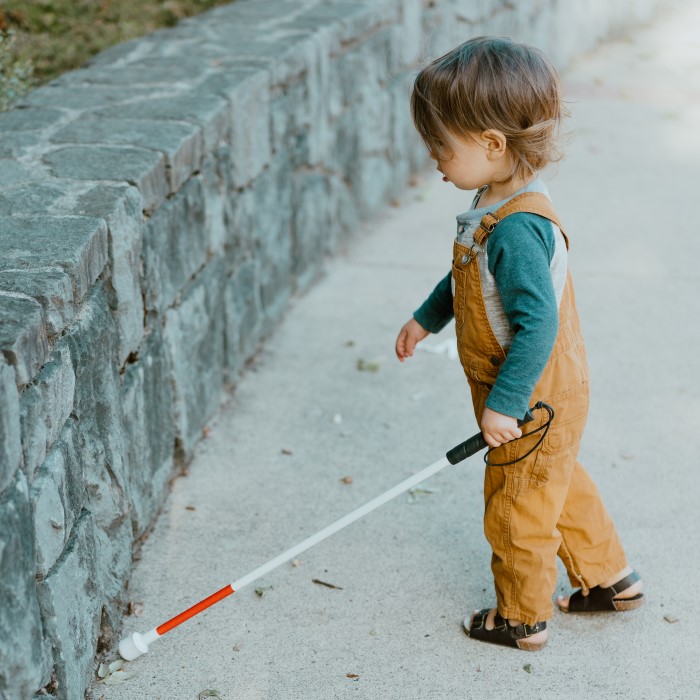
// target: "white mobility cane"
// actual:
[[136, 644]]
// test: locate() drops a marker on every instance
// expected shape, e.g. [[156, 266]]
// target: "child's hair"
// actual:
[[491, 83]]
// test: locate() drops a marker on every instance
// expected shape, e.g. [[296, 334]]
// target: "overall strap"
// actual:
[[528, 202]]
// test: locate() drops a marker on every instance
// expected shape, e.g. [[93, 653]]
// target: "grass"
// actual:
[[40, 39]]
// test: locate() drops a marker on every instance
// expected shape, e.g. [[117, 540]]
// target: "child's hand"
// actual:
[[409, 336], [498, 429]]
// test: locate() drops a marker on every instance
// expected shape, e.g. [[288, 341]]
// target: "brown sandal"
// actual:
[[503, 632], [603, 599]]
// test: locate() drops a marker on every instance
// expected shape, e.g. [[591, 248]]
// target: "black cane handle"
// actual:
[[476, 443]]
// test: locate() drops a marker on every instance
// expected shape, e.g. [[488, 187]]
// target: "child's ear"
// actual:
[[495, 142]]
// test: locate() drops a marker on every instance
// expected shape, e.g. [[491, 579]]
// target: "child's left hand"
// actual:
[[498, 428]]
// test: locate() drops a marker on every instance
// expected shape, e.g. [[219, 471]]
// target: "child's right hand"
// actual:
[[409, 336]]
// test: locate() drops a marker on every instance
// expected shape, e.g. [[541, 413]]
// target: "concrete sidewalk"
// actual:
[[411, 570]]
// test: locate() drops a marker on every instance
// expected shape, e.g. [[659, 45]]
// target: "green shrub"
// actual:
[[16, 75]]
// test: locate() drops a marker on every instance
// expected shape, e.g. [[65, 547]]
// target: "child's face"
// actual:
[[476, 161]]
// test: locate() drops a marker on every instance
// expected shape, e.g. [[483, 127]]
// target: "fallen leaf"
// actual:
[[206, 431], [324, 583], [118, 677], [287, 451], [102, 671], [347, 480], [364, 366], [117, 665], [670, 618], [208, 694], [296, 563], [354, 676], [415, 494], [190, 508], [527, 668], [236, 647]]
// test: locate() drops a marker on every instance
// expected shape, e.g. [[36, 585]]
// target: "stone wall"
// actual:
[[158, 209]]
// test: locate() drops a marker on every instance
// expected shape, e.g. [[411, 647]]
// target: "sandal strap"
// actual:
[[522, 630], [503, 632], [598, 598], [624, 583]]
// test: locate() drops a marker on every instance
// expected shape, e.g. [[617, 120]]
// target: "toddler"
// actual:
[[489, 113]]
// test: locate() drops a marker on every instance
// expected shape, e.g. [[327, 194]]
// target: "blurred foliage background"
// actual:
[[40, 39]]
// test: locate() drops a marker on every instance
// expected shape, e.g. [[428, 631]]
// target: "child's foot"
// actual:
[[489, 626], [623, 591]]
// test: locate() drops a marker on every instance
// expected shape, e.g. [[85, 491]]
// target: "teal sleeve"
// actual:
[[520, 251], [437, 311]]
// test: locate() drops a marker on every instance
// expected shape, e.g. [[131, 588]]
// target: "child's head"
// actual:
[[491, 85]]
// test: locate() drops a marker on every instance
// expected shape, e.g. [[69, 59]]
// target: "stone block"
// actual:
[[21, 143], [77, 244], [30, 119], [121, 208], [57, 495], [194, 335], [179, 142], [211, 112], [248, 94], [45, 406], [344, 217], [51, 287], [441, 30], [33, 429], [410, 41], [242, 219], [372, 184], [353, 21], [14, 173], [344, 155], [148, 423], [93, 347], [10, 443], [138, 166], [71, 600], [83, 97], [243, 309], [271, 238], [175, 246], [146, 71], [23, 340], [310, 224], [217, 190], [35, 198], [23, 668], [407, 152], [49, 515]]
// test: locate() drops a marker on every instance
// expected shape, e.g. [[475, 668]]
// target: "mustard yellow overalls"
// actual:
[[547, 503]]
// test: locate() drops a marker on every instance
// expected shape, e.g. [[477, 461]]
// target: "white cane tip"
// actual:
[[132, 647]]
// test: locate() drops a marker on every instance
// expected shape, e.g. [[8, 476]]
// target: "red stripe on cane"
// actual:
[[194, 610]]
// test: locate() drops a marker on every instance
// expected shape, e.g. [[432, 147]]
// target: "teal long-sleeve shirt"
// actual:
[[520, 251]]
